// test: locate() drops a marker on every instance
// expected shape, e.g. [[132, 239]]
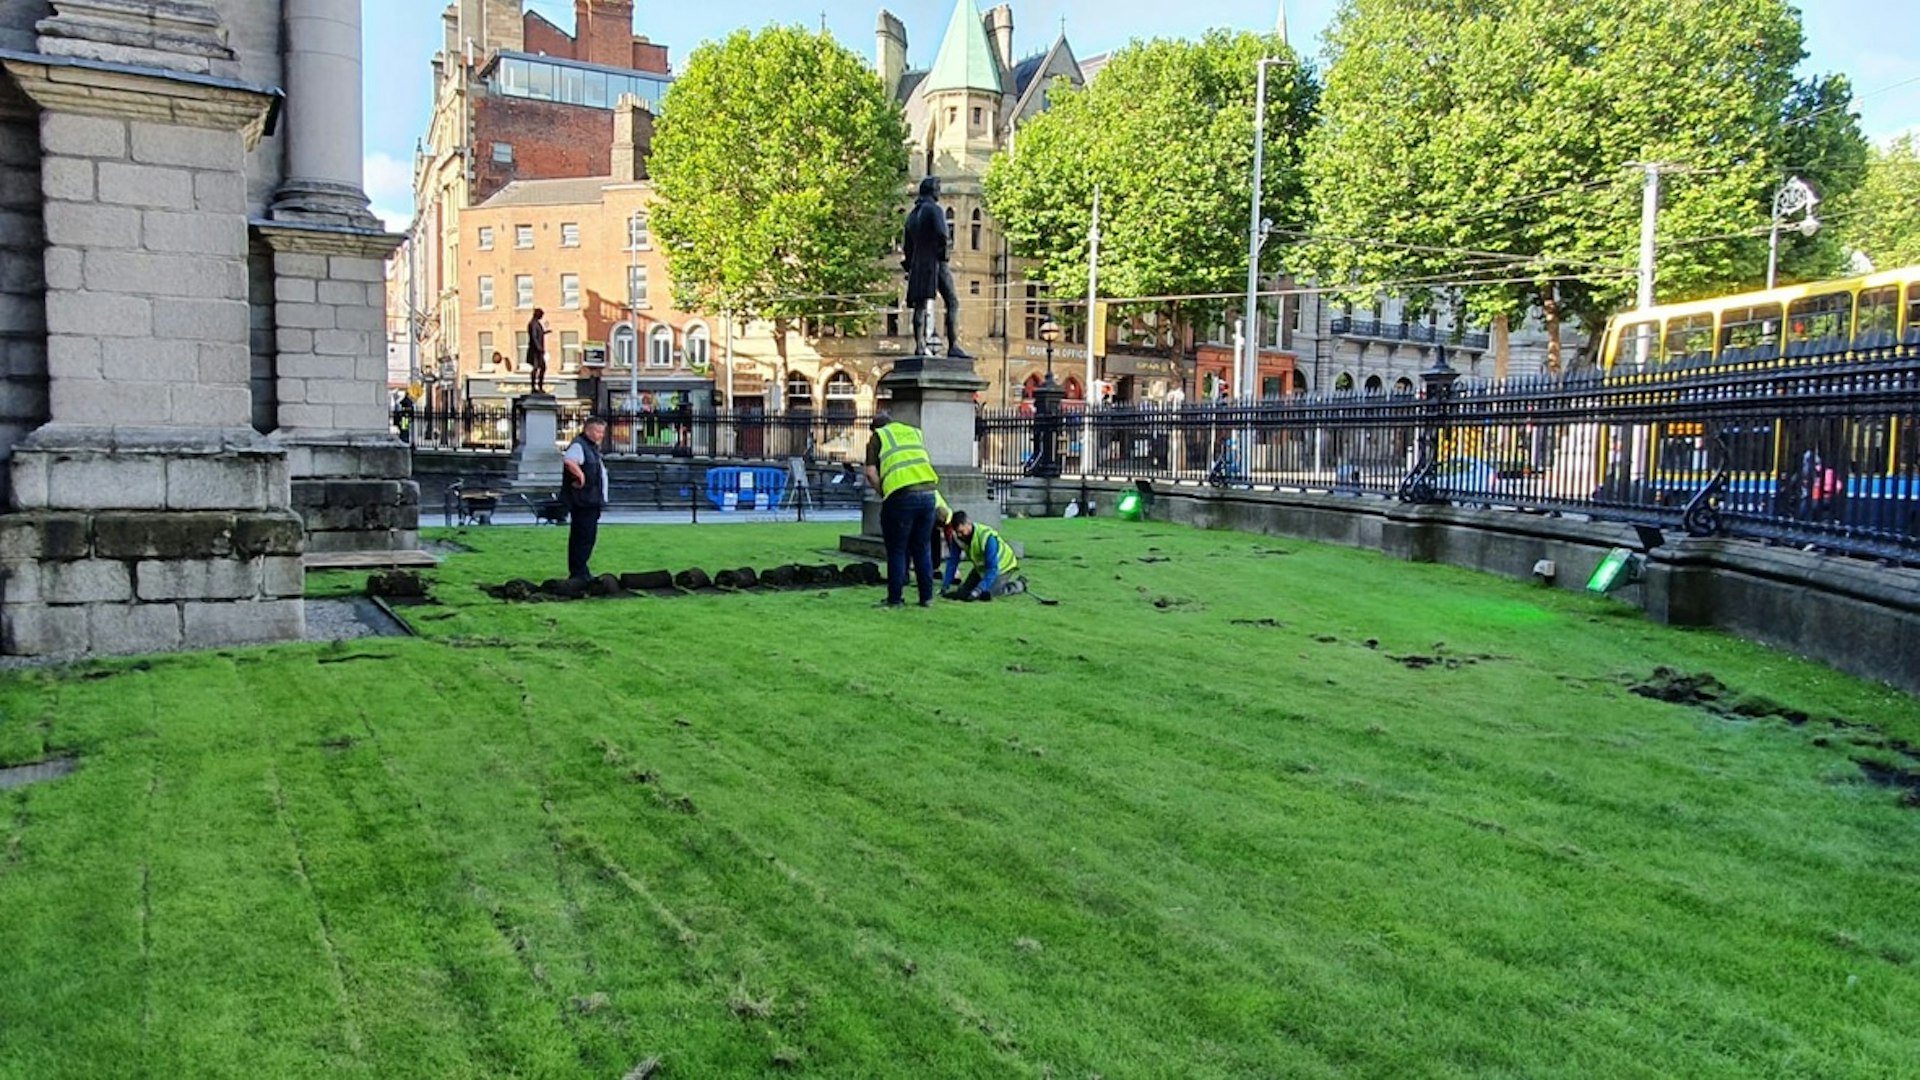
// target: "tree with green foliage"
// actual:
[[1491, 153], [1881, 218], [1166, 134], [778, 161]]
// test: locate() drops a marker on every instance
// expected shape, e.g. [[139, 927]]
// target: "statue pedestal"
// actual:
[[535, 461], [934, 394]]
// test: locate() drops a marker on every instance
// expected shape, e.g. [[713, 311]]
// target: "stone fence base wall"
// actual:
[[1857, 616]]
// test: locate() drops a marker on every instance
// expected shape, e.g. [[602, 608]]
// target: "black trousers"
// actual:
[[583, 530]]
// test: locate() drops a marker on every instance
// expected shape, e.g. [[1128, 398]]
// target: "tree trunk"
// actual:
[[1550, 306], [1502, 348]]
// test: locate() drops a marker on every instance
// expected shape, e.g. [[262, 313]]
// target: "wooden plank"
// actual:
[[367, 560]]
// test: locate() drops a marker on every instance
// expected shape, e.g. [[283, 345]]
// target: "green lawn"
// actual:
[[1128, 836]]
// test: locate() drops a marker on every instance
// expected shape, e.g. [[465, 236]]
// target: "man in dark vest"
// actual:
[[928, 274], [584, 490]]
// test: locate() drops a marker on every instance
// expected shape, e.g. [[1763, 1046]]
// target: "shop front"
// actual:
[[1141, 378]]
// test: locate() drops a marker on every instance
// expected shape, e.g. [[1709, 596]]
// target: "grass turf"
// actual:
[[1203, 819]]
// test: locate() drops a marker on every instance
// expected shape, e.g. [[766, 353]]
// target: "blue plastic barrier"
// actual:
[[751, 487]]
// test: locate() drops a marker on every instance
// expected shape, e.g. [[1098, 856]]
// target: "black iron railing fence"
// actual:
[[1823, 452], [710, 433]]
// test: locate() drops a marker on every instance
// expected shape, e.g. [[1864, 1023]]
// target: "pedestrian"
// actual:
[[995, 569], [899, 467], [584, 489], [537, 349], [1818, 486]]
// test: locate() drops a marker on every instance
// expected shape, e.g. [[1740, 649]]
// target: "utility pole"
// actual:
[[1649, 215], [1087, 395]]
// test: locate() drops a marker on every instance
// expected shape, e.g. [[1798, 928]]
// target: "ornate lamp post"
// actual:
[[1046, 410]]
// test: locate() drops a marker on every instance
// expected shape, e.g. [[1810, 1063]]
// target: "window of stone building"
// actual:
[[973, 287], [569, 350], [570, 291], [486, 350], [503, 153], [486, 238], [520, 344], [523, 290], [569, 234], [949, 225], [976, 116], [974, 229], [799, 393], [486, 292], [953, 116], [637, 287], [1036, 312], [639, 235], [523, 236]]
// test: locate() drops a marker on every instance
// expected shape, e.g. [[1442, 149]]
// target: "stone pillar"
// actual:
[[535, 461], [934, 394], [352, 480], [324, 141], [146, 513]]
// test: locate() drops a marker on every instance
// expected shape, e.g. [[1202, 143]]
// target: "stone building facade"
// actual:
[[191, 305]]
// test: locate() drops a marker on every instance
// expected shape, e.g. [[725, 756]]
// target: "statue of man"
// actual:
[[927, 271]]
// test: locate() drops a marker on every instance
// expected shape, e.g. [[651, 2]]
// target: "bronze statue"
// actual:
[[928, 274]]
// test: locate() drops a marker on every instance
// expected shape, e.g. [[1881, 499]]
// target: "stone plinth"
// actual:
[[535, 462], [129, 541], [935, 395]]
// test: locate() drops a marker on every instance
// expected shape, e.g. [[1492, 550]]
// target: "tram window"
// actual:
[[1817, 324], [1689, 340], [1749, 446], [1635, 346], [1867, 445], [1913, 314], [1750, 333], [1878, 318]]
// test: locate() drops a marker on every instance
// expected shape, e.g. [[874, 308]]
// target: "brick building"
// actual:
[[516, 99]]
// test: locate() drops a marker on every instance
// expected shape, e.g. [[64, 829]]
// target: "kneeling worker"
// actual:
[[995, 569]]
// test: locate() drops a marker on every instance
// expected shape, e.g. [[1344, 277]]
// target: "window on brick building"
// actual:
[[637, 287], [486, 238], [639, 235], [699, 347], [569, 234], [486, 293], [660, 347], [569, 350], [486, 350], [503, 153], [523, 236], [570, 291], [523, 290], [520, 344]]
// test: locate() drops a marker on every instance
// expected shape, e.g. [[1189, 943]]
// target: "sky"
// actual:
[[1875, 42]]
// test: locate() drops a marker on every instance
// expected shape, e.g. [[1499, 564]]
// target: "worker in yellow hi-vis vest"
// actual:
[[899, 467]]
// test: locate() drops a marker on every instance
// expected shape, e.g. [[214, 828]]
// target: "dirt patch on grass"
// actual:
[[1701, 690], [1269, 624]]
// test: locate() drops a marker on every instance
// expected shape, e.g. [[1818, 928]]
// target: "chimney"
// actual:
[[890, 51], [1000, 29], [603, 32], [632, 139]]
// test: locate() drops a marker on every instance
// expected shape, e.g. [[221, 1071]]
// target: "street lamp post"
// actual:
[[1257, 228], [1046, 410], [1796, 196]]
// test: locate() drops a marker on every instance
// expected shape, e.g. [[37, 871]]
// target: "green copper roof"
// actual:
[[966, 60]]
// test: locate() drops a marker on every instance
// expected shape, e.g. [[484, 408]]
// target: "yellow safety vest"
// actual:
[[903, 459], [977, 550], [939, 504]]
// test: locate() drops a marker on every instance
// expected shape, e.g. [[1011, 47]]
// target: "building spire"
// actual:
[[966, 57]]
